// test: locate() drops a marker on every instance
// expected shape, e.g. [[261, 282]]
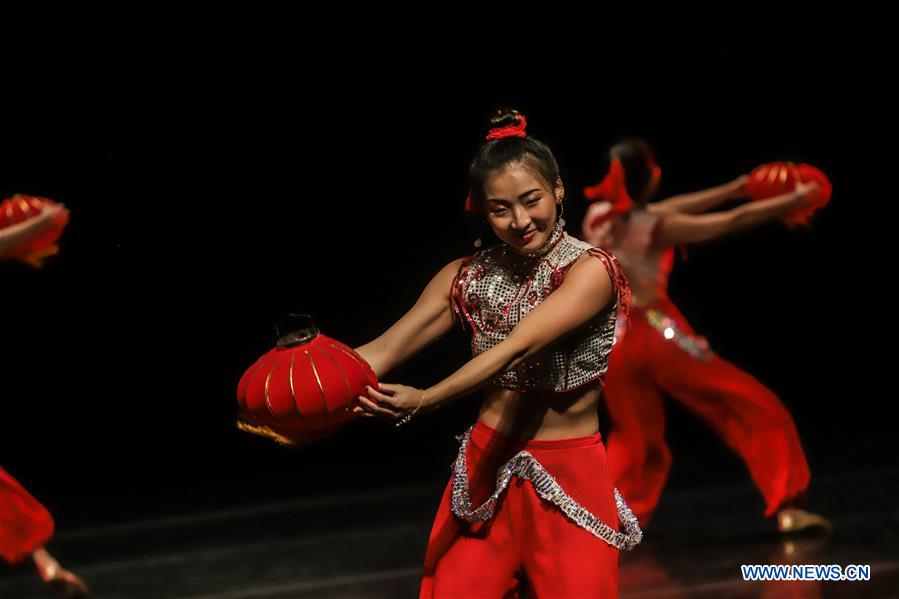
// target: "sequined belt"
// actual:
[[525, 466], [694, 345]]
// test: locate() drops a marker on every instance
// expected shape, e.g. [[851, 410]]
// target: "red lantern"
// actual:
[[777, 178], [772, 179], [20, 208], [808, 173], [303, 389]]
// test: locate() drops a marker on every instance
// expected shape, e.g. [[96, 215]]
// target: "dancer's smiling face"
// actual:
[[521, 207]]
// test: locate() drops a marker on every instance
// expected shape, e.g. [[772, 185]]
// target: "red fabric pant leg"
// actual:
[[25, 524], [638, 455], [748, 416], [742, 411], [475, 560], [527, 538], [561, 559]]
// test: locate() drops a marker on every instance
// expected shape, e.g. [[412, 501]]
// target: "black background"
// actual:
[[211, 193]]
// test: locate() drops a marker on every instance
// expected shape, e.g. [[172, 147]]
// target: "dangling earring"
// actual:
[[477, 242], [560, 196]]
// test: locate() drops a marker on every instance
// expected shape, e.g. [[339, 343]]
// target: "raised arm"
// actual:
[[702, 201], [429, 319]]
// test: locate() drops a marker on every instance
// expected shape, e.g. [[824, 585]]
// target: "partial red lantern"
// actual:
[[20, 208], [303, 389], [777, 178], [772, 179], [808, 173]]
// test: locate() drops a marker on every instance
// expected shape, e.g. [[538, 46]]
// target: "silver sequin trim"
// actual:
[[525, 466], [696, 346]]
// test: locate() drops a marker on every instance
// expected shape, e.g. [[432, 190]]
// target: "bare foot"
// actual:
[[67, 584], [64, 582], [794, 520]]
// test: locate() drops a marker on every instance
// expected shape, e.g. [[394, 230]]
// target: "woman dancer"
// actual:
[[659, 353], [524, 508]]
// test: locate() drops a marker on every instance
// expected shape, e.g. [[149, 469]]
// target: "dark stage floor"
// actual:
[[370, 544]]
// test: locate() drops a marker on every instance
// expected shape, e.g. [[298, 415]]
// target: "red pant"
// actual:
[[25, 524], [529, 543], [743, 412]]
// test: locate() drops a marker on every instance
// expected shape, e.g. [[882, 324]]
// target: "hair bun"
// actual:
[[507, 123], [503, 117]]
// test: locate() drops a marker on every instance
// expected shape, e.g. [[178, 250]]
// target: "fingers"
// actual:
[[381, 397], [369, 408]]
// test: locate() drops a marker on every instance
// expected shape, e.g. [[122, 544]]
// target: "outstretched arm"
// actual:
[[430, 318], [586, 290], [13, 236], [677, 228], [702, 201]]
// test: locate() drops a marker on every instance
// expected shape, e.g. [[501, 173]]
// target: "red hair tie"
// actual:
[[509, 130], [612, 189]]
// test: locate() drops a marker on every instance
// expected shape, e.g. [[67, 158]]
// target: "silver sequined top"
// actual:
[[497, 287]]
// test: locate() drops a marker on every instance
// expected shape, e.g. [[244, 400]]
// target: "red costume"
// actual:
[[529, 542], [25, 524], [658, 354], [541, 515]]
